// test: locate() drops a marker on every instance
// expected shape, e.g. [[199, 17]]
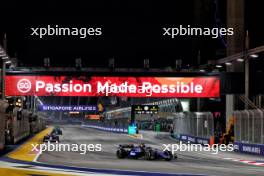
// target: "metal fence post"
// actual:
[[261, 126], [247, 125], [240, 133]]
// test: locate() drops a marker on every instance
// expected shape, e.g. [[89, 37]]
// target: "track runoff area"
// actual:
[[99, 156]]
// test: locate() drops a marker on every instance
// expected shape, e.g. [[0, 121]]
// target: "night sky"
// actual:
[[132, 31]]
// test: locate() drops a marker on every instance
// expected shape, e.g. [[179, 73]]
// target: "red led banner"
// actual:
[[112, 86]]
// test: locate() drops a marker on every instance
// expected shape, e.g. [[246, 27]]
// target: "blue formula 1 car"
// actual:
[[51, 138], [141, 151]]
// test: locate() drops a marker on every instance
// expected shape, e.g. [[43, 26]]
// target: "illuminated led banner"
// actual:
[[88, 108], [113, 86]]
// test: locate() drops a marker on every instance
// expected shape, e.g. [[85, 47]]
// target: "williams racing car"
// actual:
[[141, 151], [51, 138]]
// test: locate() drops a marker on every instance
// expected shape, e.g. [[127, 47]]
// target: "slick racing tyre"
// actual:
[[168, 155], [121, 153], [149, 154]]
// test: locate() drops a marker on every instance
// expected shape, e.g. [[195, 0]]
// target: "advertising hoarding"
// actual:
[[112, 86], [87, 108]]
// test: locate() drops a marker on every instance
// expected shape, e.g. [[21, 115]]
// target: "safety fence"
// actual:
[[193, 125], [249, 126]]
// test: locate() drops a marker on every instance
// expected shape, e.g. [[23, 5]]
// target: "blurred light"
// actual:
[[240, 60], [8, 62], [178, 64], [93, 117], [254, 55], [202, 70], [185, 106], [146, 63], [5, 57], [46, 62], [74, 112], [78, 62], [218, 66], [40, 101], [228, 63], [111, 63]]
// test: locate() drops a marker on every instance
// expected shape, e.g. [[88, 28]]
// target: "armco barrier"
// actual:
[[193, 139], [257, 149], [115, 130]]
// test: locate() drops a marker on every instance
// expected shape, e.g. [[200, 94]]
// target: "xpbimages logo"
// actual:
[[183, 147], [55, 30], [188, 30], [59, 147]]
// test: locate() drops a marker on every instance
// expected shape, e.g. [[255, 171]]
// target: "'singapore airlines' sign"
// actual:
[[112, 86]]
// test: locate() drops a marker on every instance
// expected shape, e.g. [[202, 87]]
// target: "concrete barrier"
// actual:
[[193, 139], [256, 149]]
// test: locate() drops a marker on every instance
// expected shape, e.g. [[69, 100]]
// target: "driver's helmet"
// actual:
[[131, 145], [142, 145]]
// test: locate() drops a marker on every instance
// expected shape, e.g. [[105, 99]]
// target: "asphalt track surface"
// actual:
[[204, 163]]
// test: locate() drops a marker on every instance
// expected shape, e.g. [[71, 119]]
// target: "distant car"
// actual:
[[57, 130], [51, 138], [141, 151]]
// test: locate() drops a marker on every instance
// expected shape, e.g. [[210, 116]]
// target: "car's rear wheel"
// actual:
[[120, 153], [168, 155], [149, 154]]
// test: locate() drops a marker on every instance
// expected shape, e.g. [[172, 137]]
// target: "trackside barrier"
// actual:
[[115, 130], [195, 127], [257, 149], [249, 131], [249, 126], [193, 139]]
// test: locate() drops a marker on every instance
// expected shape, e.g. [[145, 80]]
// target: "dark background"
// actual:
[[132, 31]]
